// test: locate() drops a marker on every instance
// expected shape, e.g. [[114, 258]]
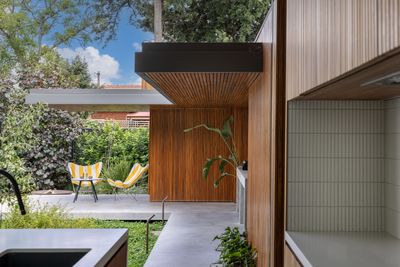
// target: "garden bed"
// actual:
[[55, 217]]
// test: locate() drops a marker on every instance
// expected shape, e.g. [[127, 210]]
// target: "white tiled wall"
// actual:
[[392, 167], [336, 166]]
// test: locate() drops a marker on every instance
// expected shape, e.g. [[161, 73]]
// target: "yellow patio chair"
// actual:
[[135, 174], [88, 172]]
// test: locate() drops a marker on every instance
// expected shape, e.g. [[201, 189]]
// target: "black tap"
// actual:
[[16, 190]]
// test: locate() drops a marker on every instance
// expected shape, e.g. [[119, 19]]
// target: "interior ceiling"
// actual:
[[354, 85], [192, 74]]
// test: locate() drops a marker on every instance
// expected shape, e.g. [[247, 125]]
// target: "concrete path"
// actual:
[[186, 240]]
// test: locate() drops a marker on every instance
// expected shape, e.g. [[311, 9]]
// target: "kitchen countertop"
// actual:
[[352, 249], [242, 176], [101, 243]]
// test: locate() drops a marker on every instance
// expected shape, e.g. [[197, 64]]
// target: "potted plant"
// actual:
[[235, 250]]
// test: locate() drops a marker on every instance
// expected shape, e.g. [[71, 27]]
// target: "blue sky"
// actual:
[[115, 61]]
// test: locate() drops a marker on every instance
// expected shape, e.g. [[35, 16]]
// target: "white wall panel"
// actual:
[[336, 165], [392, 167]]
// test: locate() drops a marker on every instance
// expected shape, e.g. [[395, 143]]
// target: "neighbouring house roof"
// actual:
[[201, 74], [123, 86], [127, 100], [140, 114]]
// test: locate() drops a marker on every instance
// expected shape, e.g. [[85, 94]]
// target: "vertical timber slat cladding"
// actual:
[[177, 158], [327, 38], [240, 131], [290, 258], [267, 105], [259, 181], [389, 25]]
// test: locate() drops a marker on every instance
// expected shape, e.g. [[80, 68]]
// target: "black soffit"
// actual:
[[199, 57]]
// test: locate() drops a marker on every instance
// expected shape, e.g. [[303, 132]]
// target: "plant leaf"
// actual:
[[222, 165], [218, 131], [217, 181], [226, 130], [207, 166]]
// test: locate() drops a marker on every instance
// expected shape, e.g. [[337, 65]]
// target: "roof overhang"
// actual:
[[201, 74], [97, 99]]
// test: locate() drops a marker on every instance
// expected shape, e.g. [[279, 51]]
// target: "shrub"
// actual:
[[118, 171], [56, 131], [16, 136], [234, 249], [43, 216], [111, 144], [117, 148]]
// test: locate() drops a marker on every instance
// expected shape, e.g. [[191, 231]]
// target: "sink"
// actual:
[[43, 258]]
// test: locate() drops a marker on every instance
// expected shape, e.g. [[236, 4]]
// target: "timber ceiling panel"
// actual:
[[205, 89], [206, 75]]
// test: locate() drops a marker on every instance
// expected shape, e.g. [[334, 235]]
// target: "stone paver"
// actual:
[[186, 240]]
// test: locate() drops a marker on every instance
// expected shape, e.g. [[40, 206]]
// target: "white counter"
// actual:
[[345, 249], [101, 243], [241, 194]]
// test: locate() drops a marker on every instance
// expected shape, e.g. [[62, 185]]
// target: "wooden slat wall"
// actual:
[[290, 258], [259, 181], [389, 25], [326, 38], [177, 158], [265, 207], [240, 131]]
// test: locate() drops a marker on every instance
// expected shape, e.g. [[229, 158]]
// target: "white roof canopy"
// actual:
[[127, 100]]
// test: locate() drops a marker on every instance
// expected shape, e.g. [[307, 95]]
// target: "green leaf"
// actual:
[[226, 130], [207, 166], [222, 165], [216, 130], [217, 181]]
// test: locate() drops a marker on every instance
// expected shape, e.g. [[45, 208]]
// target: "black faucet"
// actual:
[[16, 190]]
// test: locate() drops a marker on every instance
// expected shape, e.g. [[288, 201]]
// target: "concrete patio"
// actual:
[[127, 208], [186, 239]]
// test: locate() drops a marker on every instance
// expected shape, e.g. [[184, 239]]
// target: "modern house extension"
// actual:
[[316, 108]]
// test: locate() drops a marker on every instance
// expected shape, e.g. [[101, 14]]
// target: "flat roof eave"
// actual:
[[97, 99], [201, 74]]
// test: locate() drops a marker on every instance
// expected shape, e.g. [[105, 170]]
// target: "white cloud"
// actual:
[[105, 64], [137, 46]]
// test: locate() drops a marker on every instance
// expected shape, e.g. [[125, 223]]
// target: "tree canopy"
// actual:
[[26, 26], [187, 20]]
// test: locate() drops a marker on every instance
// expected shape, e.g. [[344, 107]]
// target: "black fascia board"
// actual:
[[199, 57]]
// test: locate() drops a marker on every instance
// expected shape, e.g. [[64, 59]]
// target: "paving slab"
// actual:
[[127, 208], [186, 239]]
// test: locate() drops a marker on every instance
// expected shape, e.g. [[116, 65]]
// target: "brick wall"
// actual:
[[109, 115]]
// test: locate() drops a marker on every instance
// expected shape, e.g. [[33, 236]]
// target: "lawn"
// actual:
[[55, 217], [137, 240]]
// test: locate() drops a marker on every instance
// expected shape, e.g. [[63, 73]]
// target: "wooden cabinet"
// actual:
[[327, 38], [120, 259], [290, 259]]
